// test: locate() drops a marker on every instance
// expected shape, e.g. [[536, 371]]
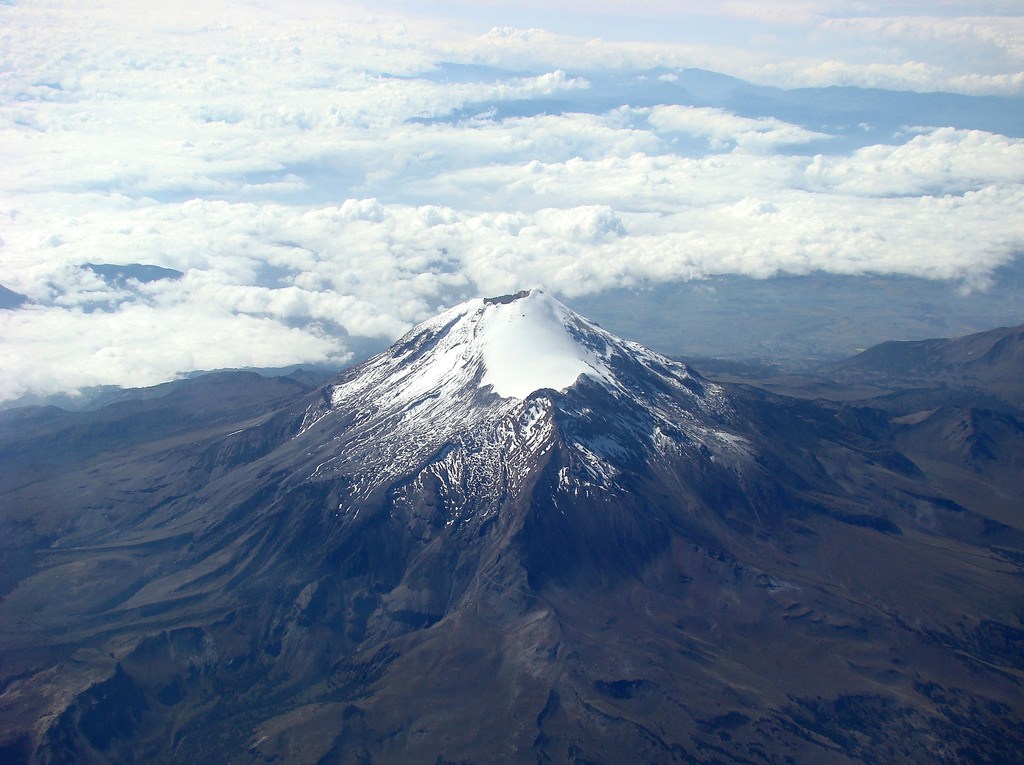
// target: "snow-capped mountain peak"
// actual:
[[530, 341], [502, 382], [511, 346]]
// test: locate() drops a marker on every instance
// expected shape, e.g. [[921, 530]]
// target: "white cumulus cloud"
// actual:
[[322, 172]]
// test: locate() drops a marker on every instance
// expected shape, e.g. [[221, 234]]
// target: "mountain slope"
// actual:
[[512, 537], [992, 361]]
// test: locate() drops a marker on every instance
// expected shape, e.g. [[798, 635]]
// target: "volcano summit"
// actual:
[[482, 396], [511, 537]]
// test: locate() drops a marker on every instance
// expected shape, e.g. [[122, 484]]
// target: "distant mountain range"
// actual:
[[514, 537], [852, 116], [989, 362], [9, 299], [124, 277]]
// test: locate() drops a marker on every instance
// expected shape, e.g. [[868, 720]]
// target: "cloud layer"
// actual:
[[327, 173]]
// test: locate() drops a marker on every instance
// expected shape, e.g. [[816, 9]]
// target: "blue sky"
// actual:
[[324, 174]]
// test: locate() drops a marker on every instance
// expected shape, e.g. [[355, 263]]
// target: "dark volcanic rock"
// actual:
[[510, 538]]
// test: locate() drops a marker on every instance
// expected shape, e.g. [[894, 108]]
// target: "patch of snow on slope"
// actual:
[[527, 346]]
